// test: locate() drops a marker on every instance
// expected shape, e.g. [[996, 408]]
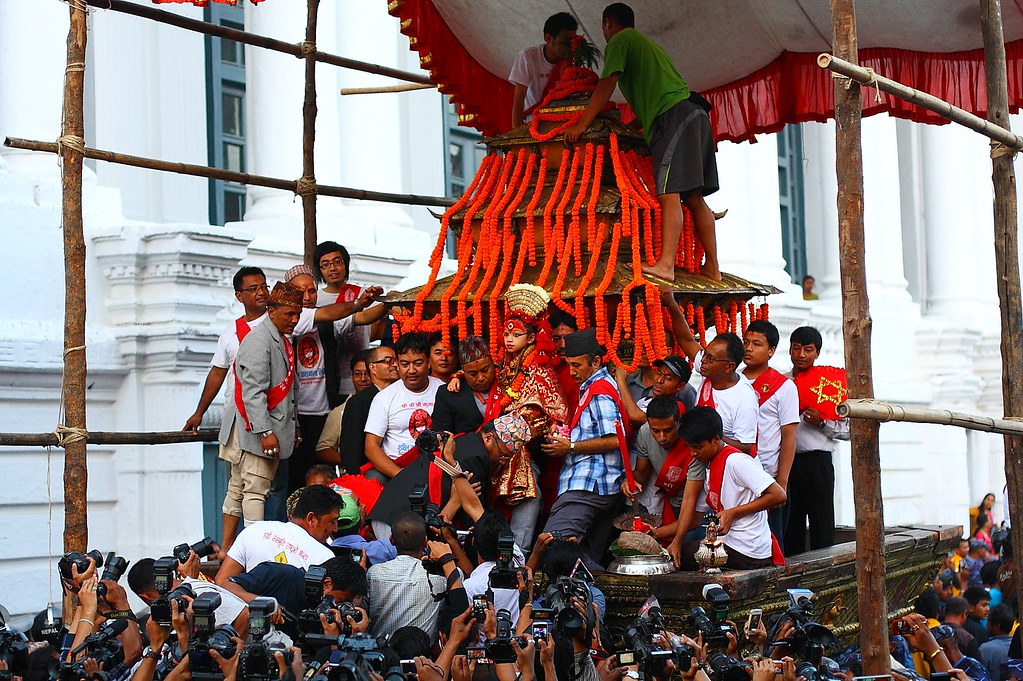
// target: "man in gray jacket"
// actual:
[[260, 425]]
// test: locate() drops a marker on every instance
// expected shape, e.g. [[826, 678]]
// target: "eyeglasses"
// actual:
[[254, 289], [336, 263], [385, 360], [360, 374], [712, 358]]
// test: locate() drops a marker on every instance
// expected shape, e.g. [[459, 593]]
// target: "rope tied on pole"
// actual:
[[305, 185], [306, 48], [75, 143], [68, 434], [75, 67], [848, 81], [998, 150]]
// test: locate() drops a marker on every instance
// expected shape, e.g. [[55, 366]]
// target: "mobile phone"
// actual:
[[408, 669], [626, 657], [778, 665], [479, 607], [884, 677], [477, 654], [755, 617], [539, 630], [942, 676], [901, 627]]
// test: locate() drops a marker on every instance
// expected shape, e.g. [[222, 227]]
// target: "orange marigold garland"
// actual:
[[550, 243]]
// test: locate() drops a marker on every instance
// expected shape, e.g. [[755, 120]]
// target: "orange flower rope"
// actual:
[[530, 232], [559, 229], [577, 205], [550, 244], [591, 205], [599, 302]]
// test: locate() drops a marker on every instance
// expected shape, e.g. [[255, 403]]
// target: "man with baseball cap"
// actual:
[[670, 379], [349, 525]]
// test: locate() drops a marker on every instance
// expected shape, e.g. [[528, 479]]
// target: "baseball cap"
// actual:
[[942, 631], [947, 577], [976, 544], [349, 516], [676, 364]]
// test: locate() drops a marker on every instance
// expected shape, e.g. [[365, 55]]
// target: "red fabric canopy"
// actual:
[[790, 88]]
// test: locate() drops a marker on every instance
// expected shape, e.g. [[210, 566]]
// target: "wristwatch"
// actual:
[[150, 654], [571, 448]]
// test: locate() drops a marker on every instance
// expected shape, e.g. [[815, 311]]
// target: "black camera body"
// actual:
[[318, 603], [809, 640], [728, 668], [80, 561], [419, 502], [715, 632], [102, 646], [499, 649], [163, 575], [559, 595], [207, 636], [203, 548], [13, 651], [256, 661], [640, 635], [113, 569], [357, 657], [505, 575], [431, 441]]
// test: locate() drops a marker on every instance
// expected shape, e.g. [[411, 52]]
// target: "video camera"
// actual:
[[640, 638], [102, 646], [809, 640], [499, 649], [163, 578], [505, 575], [207, 636], [318, 603], [419, 502], [13, 651], [203, 548], [113, 570], [728, 668], [431, 441], [559, 595]]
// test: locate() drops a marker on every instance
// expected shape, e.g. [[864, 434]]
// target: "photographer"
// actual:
[[96, 609], [159, 652], [921, 640], [345, 582], [489, 530], [232, 610], [560, 558]]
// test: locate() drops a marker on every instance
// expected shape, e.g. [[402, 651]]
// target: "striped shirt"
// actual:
[[597, 472]]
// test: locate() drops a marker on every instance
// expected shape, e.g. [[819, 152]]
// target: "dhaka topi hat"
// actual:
[[286, 295], [297, 270], [583, 343], [512, 430], [472, 349]]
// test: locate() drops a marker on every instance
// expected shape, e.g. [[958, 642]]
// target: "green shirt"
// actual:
[[646, 75]]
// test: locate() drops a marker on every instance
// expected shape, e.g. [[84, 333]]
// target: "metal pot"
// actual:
[[642, 565]]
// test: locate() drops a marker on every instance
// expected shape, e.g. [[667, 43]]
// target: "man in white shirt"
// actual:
[[779, 412], [738, 490], [232, 610], [403, 410], [300, 542], [812, 480], [488, 530], [533, 67]]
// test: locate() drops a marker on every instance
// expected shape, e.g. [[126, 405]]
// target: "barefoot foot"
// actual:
[[666, 272], [711, 272]]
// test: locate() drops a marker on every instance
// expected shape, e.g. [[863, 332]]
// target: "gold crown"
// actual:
[[528, 299]]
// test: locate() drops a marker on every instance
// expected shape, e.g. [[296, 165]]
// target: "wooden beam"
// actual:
[[308, 184], [72, 140], [405, 87], [254, 39], [1007, 279], [922, 99], [856, 329], [884, 412], [112, 438], [232, 176]]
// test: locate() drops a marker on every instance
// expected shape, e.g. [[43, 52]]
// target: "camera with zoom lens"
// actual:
[[102, 646], [163, 578], [80, 561], [715, 634], [256, 661], [207, 636], [357, 658], [113, 570], [318, 603], [203, 548], [640, 635], [505, 575], [419, 502], [13, 651], [431, 441], [727, 668], [559, 595], [500, 649], [809, 640]]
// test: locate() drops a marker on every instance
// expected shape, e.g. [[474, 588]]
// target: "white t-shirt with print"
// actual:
[[737, 406], [744, 480], [230, 605], [399, 416], [780, 409], [533, 70], [277, 542], [309, 367]]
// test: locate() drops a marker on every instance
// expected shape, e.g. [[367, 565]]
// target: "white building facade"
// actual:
[[159, 270]]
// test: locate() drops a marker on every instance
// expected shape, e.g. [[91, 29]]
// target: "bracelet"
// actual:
[[87, 621], [934, 654]]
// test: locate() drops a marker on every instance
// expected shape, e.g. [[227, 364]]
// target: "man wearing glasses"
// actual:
[[332, 267], [345, 444]]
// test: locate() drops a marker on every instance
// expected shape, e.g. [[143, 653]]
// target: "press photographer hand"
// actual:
[[190, 568], [229, 666]]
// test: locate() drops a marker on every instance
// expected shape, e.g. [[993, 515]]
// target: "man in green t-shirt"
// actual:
[[677, 129]]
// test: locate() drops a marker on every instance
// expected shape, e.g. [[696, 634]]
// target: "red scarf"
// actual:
[[706, 397], [493, 404], [601, 386], [672, 477], [768, 383], [715, 478], [554, 78], [276, 394], [349, 293], [241, 329]]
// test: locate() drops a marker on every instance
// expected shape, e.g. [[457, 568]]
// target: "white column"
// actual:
[[32, 80], [821, 203], [749, 237]]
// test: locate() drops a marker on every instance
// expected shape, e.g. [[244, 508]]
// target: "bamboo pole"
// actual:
[[232, 176], [405, 87], [865, 76], [76, 476], [307, 186], [111, 438], [884, 412], [1003, 178], [856, 329], [254, 39]]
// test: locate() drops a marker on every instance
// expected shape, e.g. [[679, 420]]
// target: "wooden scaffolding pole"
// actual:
[[1006, 256], [112, 438], [886, 411], [307, 185], [72, 141], [856, 329]]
